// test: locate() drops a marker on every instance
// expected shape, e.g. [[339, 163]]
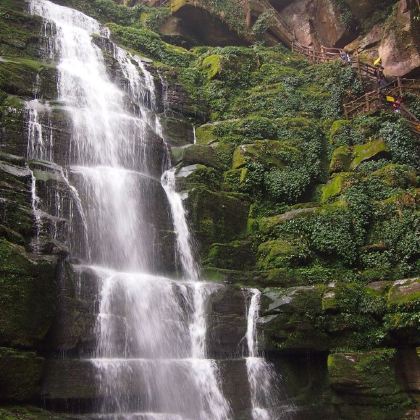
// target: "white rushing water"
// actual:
[[264, 386], [151, 330]]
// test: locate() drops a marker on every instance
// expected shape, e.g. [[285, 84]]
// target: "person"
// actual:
[[343, 56], [378, 62], [396, 105], [348, 58], [382, 82]]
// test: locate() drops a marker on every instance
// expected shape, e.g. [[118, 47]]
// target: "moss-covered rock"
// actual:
[[235, 255], [216, 217], [366, 385], [29, 413], [269, 153], [189, 177], [28, 295], [281, 253], [341, 159], [201, 154], [205, 134], [335, 187], [20, 375], [373, 150], [288, 321], [404, 291], [212, 65]]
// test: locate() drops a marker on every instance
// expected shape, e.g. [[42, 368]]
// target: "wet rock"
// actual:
[[235, 255], [28, 293], [365, 384], [288, 317], [20, 375], [227, 323], [177, 132], [216, 217]]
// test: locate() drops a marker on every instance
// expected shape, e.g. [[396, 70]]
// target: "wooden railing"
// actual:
[[375, 99], [321, 55]]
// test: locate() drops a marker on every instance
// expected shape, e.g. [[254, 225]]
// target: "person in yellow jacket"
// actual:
[[377, 62]]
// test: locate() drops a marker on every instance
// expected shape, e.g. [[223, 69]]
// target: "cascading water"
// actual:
[[151, 330], [264, 386]]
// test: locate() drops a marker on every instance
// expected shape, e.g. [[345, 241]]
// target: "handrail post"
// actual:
[[399, 84]]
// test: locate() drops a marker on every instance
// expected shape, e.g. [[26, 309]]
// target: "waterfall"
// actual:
[[151, 330], [264, 386], [35, 212]]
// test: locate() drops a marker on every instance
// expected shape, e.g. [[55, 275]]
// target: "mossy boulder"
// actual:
[[191, 176], [20, 375], [280, 253], [373, 150], [335, 186], [201, 154], [177, 132], [270, 153], [28, 293], [212, 66], [235, 255], [341, 159], [205, 133], [288, 320], [366, 385], [216, 216], [404, 291]]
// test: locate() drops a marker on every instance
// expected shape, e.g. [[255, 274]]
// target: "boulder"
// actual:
[[235, 255], [400, 45], [280, 253], [366, 385], [404, 292], [288, 320], [269, 153], [177, 132], [376, 149], [319, 22], [202, 154], [216, 216]]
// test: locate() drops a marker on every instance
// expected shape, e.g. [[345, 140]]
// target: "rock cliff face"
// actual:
[[283, 194]]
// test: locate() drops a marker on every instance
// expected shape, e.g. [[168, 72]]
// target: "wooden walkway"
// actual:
[[375, 99]]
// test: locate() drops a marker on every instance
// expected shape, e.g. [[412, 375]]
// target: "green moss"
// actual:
[[404, 291], [27, 296], [281, 253], [28, 413], [341, 159], [374, 149], [212, 66], [150, 44], [205, 134], [334, 188], [21, 375], [236, 255], [366, 383]]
